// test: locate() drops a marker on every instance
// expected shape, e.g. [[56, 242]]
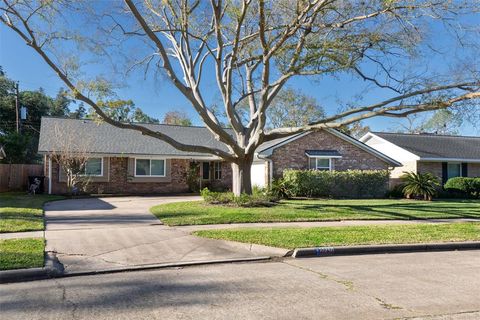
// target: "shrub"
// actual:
[[346, 184], [281, 188], [468, 187], [212, 197], [396, 191], [259, 198], [420, 185]]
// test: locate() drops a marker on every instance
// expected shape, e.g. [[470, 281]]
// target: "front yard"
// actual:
[[21, 253], [291, 238], [21, 212], [198, 213]]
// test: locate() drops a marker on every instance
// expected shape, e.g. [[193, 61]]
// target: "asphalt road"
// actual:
[[443, 285]]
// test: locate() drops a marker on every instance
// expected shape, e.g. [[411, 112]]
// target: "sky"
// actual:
[[156, 97]]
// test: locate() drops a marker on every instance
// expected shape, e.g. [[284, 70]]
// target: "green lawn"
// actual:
[[291, 238], [22, 212], [195, 213], [21, 253]]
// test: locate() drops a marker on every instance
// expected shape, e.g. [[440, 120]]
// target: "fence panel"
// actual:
[[14, 177]]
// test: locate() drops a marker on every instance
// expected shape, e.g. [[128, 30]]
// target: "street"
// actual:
[[440, 285]]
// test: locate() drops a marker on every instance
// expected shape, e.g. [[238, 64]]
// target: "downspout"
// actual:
[[49, 175]]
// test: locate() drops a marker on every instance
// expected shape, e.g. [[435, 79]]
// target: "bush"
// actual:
[[259, 198], [396, 191], [212, 197], [418, 185], [336, 184], [281, 188], [467, 187]]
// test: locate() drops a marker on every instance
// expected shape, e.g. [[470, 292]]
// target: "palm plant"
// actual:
[[420, 185]]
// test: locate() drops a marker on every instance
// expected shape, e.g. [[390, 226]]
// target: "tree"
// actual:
[[443, 121], [177, 118], [61, 103], [356, 129], [292, 108], [72, 157], [79, 113], [19, 148], [122, 111], [252, 49]]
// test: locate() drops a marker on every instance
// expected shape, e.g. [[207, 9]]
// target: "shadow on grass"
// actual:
[[410, 210]]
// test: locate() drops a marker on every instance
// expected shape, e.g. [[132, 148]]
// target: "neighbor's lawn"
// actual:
[[187, 213], [22, 212], [347, 236], [21, 253]]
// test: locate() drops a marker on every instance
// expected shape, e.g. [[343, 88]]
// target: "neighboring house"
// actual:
[[126, 162], [442, 155]]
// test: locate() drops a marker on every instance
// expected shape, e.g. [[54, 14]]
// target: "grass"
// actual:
[[197, 213], [291, 238], [21, 253], [21, 212]]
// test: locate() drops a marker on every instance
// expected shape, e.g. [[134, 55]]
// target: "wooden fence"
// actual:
[[14, 177]]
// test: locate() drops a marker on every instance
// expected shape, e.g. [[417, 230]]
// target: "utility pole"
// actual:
[[17, 107]]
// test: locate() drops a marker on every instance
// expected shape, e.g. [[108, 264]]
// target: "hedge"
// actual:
[[337, 184], [469, 187]]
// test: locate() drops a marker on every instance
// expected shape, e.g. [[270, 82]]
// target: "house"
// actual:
[[445, 156], [124, 161]]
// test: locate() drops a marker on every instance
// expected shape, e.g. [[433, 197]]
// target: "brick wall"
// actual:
[[118, 180], [292, 155], [474, 169], [436, 168]]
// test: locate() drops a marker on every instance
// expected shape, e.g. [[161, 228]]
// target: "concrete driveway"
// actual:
[[97, 234]]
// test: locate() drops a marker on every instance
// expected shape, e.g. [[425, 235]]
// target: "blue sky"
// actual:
[[156, 97]]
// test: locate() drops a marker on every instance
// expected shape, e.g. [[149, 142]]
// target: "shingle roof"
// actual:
[[103, 138], [436, 146]]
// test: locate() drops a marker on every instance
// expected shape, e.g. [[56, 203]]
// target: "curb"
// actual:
[[53, 268], [56, 270], [389, 248]]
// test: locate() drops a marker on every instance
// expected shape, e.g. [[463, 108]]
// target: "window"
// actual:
[[94, 167], [217, 170], [150, 167], [454, 170], [206, 170], [316, 163]]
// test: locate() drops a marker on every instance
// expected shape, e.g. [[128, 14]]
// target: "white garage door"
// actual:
[[258, 174]]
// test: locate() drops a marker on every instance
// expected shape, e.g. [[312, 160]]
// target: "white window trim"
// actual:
[[219, 165], [150, 175], [94, 175], [321, 157]]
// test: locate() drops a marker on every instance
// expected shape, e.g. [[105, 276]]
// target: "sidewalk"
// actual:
[[19, 235], [312, 224]]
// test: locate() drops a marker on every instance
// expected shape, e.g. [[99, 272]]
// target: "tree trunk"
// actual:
[[241, 178]]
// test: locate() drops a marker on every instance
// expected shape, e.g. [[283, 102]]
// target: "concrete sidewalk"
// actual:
[[311, 224], [21, 235], [110, 233]]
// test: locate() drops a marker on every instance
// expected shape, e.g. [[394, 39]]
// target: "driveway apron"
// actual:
[[97, 234]]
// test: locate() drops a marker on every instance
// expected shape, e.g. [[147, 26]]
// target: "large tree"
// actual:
[[252, 49]]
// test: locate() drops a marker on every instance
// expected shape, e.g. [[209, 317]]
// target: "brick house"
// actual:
[[445, 156], [124, 161]]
